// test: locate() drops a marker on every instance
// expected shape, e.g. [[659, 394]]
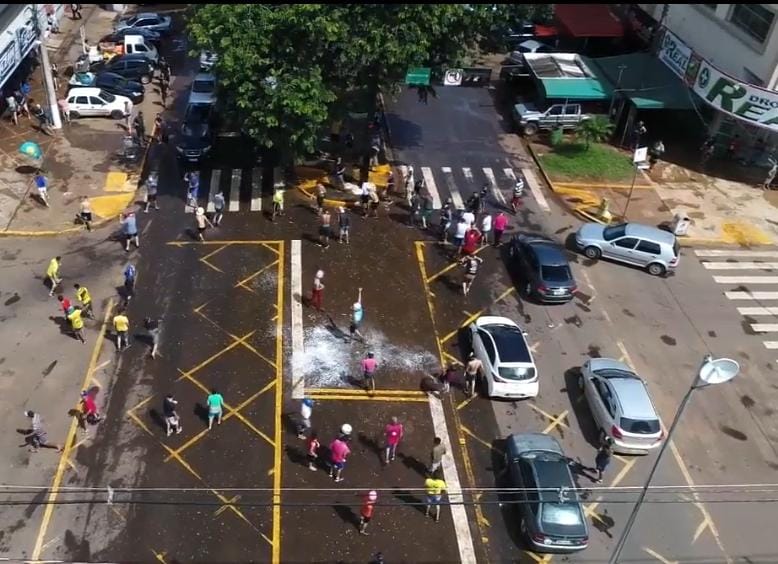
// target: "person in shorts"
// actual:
[[357, 314], [85, 212], [459, 235], [471, 264], [325, 230], [366, 511], [215, 404], [344, 223], [130, 274], [151, 192], [130, 229], [202, 222], [172, 419], [434, 487], [369, 366], [339, 451], [473, 368], [312, 450]]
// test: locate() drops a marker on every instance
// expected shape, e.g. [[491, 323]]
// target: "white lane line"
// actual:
[[625, 355], [234, 203], [534, 186], [757, 310], [771, 344], [734, 253], [745, 279], [432, 188], [468, 174], [298, 345], [765, 327], [451, 477], [256, 190], [740, 265], [213, 188], [751, 295], [498, 195], [456, 197]]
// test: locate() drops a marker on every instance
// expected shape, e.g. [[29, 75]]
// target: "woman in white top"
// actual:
[[486, 229]]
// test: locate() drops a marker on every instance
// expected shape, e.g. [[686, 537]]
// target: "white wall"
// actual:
[[725, 45]]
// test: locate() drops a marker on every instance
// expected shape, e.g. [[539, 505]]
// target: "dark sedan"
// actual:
[[544, 268], [117, 84], [133, 67]]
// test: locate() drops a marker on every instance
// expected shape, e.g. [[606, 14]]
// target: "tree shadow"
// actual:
[[409, 499], [405, 134]]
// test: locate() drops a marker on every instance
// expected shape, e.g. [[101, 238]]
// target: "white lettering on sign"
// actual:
[[674, 53], [7, 61]]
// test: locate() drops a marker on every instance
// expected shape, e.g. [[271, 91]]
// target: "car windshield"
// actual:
[[560, 273], [202, 86], [194, 130], [198, 113], [614, 231], [640, 426], [517, 372], [107, 96]]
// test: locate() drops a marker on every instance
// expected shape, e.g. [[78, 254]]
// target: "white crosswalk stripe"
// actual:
[[432, 188], [498, 195], [233, 204], [453, 191], [735, 253], [256, 190], [741, 265], [534, 187]]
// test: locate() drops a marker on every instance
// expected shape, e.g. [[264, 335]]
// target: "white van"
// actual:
[[96, 102]]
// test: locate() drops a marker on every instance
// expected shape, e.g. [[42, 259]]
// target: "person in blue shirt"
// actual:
[[357, 313], [130, 274], [42, 185], [130, 229]]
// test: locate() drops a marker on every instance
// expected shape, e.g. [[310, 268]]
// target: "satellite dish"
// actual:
[[719, 370]]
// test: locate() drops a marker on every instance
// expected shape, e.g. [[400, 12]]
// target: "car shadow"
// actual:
[[583, 414], [509, 502]]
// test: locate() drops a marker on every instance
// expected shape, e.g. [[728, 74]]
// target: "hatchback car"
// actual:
[[133, 67], [552, 519], [203, 89], [96, 102], [620, 405], [640, 245], [145, 20], [544, 267], [117, 84], [509, 368]]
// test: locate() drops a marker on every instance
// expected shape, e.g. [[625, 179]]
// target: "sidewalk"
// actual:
[[79, 160]]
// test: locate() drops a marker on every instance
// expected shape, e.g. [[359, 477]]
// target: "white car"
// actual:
[[203, 89], [207, 60], [509, 368], [96, 102]]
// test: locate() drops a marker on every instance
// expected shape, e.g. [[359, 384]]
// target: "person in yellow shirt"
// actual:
[[77, 324], [52, 273], [85, 298], [122, 327], [434, 487]]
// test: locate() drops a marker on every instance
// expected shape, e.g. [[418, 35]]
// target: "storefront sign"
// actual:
[[8, 59], [674, 53], [26, 35], [743, 101]]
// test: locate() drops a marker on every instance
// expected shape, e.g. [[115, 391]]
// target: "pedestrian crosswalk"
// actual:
[[748, 274], [242, 189], [459, 184]]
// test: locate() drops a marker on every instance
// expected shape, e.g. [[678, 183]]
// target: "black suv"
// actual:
[[544, 269], [134, 66], [196, 135]]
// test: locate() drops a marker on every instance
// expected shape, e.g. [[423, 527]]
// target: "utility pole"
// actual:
[[51, 92]]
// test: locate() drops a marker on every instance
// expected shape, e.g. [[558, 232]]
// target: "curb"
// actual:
[[68, 231]]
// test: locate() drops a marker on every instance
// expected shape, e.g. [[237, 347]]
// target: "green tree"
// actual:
[[594, 130]]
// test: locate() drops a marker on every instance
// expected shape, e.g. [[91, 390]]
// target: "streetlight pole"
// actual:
[[51, 92], [711, 372]]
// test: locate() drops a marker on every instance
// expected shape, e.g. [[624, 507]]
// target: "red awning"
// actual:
[[588, 20], [545, 31]]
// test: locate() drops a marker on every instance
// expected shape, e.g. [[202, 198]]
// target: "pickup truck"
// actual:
[[531, 120]]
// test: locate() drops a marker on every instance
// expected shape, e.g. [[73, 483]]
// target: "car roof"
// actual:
[[509, 342], [548, 252], [648, 232], [596, 364], [519, 443], [551, 473], [632, 395], [146, 15], [84, 91]]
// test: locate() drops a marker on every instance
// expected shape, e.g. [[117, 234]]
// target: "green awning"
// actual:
[[646, 81], [418, 76], [575, 88]]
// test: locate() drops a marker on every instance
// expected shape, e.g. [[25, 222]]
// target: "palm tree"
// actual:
[[594, 130]]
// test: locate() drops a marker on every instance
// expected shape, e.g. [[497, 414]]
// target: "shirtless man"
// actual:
[[473, 368]]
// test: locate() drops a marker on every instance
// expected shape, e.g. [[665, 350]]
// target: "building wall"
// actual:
[[709, 32], [17, 33]]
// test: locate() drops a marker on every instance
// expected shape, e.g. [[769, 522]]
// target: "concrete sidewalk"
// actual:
[[79, 160]]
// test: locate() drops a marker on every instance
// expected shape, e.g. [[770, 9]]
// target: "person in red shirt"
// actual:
[[472, 241], [369, 366], [312, 448], [500, 224], [366, 511], [89, 409], [393, 433], [65, 304]]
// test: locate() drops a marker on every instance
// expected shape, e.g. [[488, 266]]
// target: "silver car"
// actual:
[[203, 89], [640, 245], [622, 409]]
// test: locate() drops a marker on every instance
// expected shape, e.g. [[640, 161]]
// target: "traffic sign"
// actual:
[[453, 77]]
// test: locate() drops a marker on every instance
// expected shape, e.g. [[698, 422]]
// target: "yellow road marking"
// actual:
[[590, 508], [57, 481], [257, 273], [264, 536], [658, 556], [276, 251], [276, 541], [452, 359], [140, 423], [547, 415], [224, 508], [480, 440], [447, 268], [369, 398], [141, 404], [557, 421], [351, 391], [210, 359], [263, 243], [702, 526], [474, 316], [466, 401], [538, 558], [160, 556], [625, 355], [235, 337]]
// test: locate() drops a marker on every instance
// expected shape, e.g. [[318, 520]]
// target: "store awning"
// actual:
[[568, 76], [418, 76], [588, 20], [646, 81], [583, 89]]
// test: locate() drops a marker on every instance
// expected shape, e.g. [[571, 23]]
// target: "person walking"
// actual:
[[52, 273], [339, 451], [344, 225], [393, 434], [160, 129], [54, 73], [325, 230], [364, 198], [426, 210], [37, 436], [312, 449], [437, 453], [139, 125], [603, 458], [122, 327], [770, 173], [130, 274], [85, 212], [75, 9], [154, 327], [500, 224], [434, 487], [471, 264], [202, 222], [319, 195], [129, 224], [366, 511], [473, 368], [215, 403], [306, 410], [317, 292], [446, 216], [278, 202], [13, 109], [64, 109], [128, 117], [42, 185], [218, 208], [459, 236], [172, 419], [486, 229], [472, 241], [83, 296], [77, 324], [163, 91], [152, 183], [340, 174], [43, 120], [357, 314], [369, 367], [65, 304]]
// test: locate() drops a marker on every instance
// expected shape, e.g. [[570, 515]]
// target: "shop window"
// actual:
[[754, 19]]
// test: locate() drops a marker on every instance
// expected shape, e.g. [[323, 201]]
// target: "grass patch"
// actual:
[[572, 162]]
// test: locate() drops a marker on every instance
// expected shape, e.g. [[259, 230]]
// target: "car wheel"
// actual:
[[117, 114], [74, 114], [530, 129], [145, 79], [656, 269], [592, 252]]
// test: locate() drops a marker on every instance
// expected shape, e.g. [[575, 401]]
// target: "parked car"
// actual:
[[632, 243], [207, 60], [203, 89], [530, 119], [509, 369], [196, 135], [145, 20], [621, 406], [133, 67], [118, 36], [110, 82], [96, 102], [551, 520], [132, 44], [544, 267]]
